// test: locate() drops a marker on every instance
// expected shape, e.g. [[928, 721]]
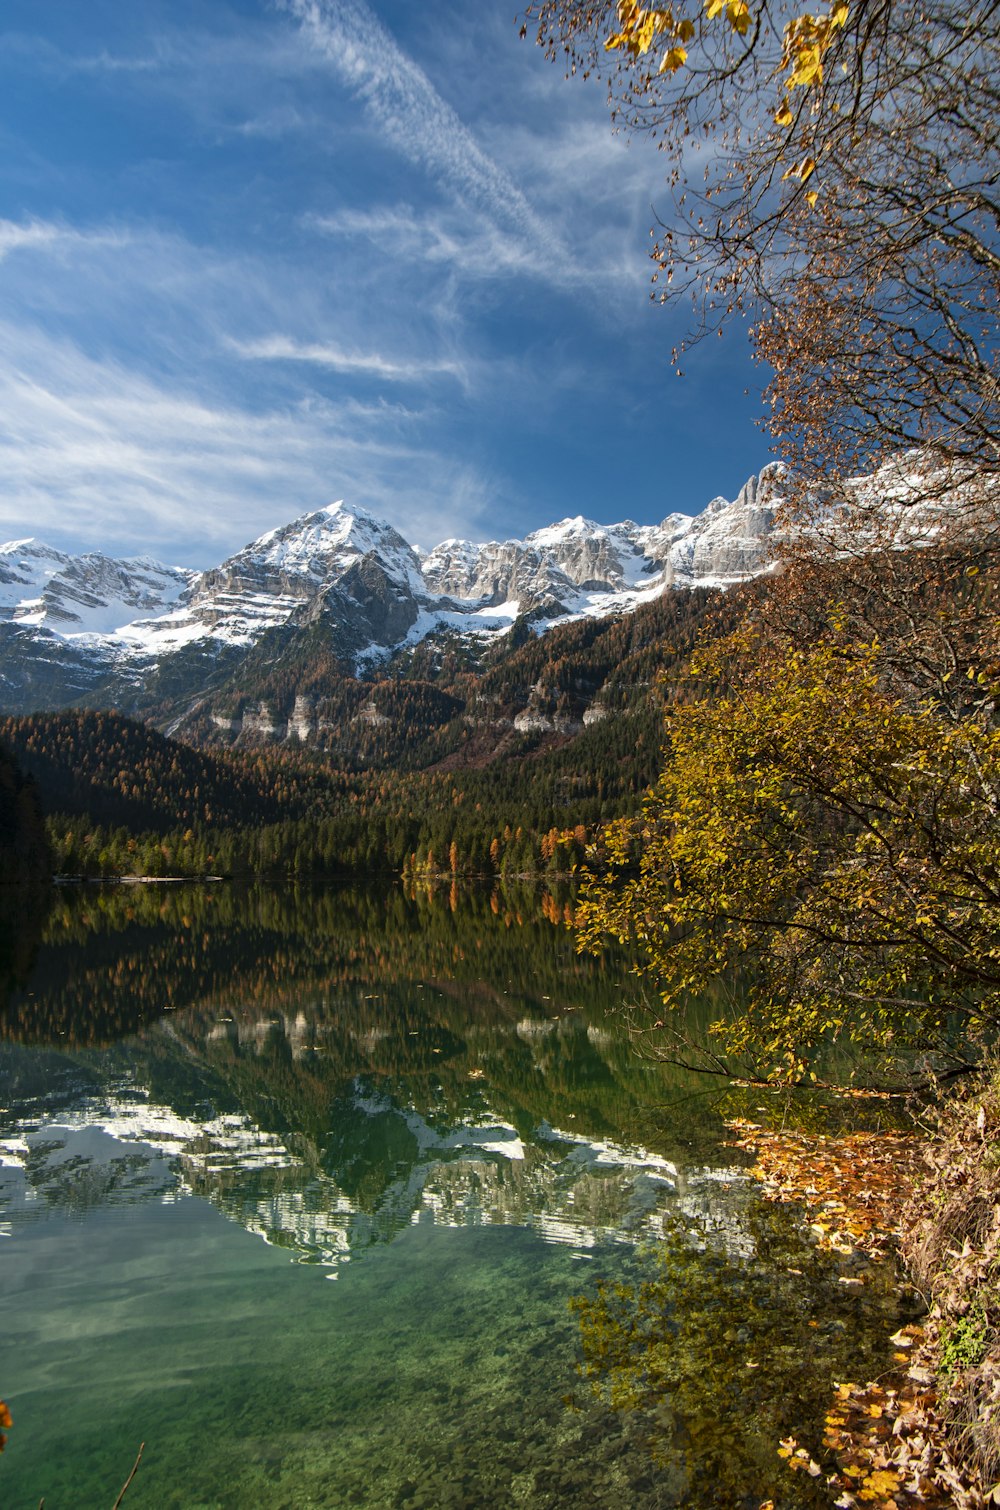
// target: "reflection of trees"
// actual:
[[132, 953], [285, 999], [23, 914], [718, 1359]]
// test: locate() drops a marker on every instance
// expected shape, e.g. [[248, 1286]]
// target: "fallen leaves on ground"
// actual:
[[884, 1441]]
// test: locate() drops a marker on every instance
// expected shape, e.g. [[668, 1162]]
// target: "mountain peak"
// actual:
[[30, 546], [567, 529], [342, 568], [312, 543]]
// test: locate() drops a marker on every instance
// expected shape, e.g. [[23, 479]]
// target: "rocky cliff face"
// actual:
[[92, 594], [92, 628], [578, 566]]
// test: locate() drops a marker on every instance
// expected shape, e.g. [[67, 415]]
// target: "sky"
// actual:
[[260, 255]]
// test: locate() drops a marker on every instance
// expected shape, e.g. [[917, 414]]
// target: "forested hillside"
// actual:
[[444, 761], [24, 851], [449, 699]]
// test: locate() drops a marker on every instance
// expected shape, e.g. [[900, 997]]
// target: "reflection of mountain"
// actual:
[[335, 982], [384, 1167], [340, 1064]]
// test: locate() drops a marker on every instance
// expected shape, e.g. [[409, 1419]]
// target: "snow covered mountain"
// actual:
[[579, 567], [89, 628], [89, 594]]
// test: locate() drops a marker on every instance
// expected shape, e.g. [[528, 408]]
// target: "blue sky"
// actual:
[[257, 256]]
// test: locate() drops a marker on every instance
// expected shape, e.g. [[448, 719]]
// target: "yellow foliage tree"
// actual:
[[825, 844]]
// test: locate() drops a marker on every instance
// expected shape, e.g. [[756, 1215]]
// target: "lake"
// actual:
[[358, 1197]]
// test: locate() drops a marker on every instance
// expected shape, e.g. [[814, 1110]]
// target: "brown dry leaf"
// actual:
[[886, 1442], [859, 1176]]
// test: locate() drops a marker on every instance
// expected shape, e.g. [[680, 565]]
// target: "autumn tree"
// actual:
[[830, 844], [832, 178], [826, 826]]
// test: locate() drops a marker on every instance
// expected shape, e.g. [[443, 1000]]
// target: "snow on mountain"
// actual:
[[561, 570], [25, 568], [355, 575], [728, 542], [285, 575], [91, 594], [577, 567], [311, 551]]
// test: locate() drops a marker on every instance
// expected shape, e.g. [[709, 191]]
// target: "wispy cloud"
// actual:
[[14, 237], [106, 62], [273, 124], [31, 235], [274, 253], [200, 306], [41, 53], [336, 359], [411, 116], [92, 451], [465, 243]]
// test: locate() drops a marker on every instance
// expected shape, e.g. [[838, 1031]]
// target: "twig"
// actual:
[[131, 1476]]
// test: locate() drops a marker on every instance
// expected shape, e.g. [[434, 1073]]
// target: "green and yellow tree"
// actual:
[[823, 840]]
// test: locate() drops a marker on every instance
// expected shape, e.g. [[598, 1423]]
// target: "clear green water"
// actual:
[[313, 1236]]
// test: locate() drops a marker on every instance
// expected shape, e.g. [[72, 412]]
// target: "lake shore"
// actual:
[[922, 1434]]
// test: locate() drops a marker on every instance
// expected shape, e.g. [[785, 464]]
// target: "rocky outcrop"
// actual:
[[302, 723], [578, 566], [730, 541], [92, 594]]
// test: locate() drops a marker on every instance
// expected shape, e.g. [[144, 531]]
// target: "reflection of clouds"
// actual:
[[571, 1190]]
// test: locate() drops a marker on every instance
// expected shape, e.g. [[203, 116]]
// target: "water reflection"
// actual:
[[347, 1063], [23, 914], [437, 1091], [383, 1167], [716, 1361], [336, 1122]]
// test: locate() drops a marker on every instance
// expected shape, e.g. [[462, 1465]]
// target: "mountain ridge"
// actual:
[[92, 630]]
